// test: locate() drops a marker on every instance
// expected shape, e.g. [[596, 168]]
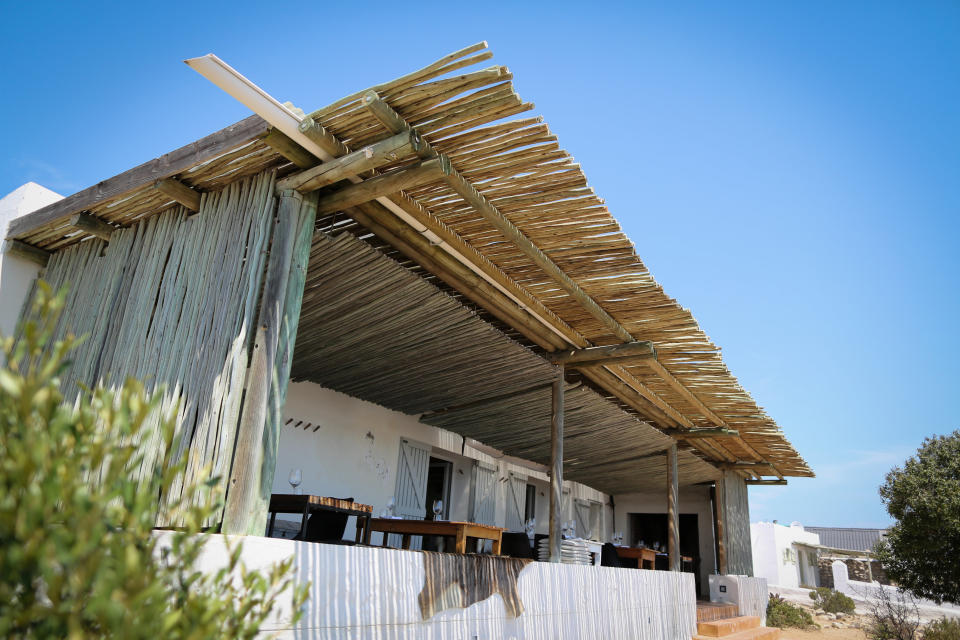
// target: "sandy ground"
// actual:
[[823, 634]]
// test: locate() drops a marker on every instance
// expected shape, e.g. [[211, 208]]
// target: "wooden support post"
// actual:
[[254, 460], [26, 251], [673, 514], [556, 465], [720, 543], [355, 194], [626, 353], [179, 192], [93, 225], [352, 164]]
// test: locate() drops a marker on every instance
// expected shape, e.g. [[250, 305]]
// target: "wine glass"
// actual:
[[437, 509], [391, 507], [573, 528], [296, 477], [530, 527]]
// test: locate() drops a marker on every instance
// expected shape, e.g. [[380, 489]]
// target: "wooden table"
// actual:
[[307, 504], [641, 554], [460, 531]]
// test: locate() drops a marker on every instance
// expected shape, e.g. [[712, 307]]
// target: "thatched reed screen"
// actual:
[[172, 301], [377, 331]]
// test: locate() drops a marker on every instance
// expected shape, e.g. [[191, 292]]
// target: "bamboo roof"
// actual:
[[377, 331], [473, 115]]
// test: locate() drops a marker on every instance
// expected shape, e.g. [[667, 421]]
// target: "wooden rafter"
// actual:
[[396, 124], [26, 251], [393, 182], [167, 165], [93, 225], [619, 354], [179, 192], [353, 164]]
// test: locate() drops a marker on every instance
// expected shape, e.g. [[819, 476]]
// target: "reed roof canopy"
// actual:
[[489, 210]]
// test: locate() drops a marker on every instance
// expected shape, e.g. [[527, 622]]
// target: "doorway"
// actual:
[[439, 473], [651, 528]]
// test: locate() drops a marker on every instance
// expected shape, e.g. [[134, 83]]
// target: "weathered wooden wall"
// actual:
[[736, 520], [172, 301]]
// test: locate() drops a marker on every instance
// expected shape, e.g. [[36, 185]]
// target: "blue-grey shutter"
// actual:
[[516, 501], [581, 514], [411, 490], [483, 508]]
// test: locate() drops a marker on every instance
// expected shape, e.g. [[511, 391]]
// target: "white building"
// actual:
[[785, 556]]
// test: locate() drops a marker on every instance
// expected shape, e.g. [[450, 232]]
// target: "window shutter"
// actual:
[[411, 489], [516, 501], [596, 521], [581, 512], [484, 503]]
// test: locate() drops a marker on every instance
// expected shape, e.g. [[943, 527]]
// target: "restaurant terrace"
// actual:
[[413, 297]]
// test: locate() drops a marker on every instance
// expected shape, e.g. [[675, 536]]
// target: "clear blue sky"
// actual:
[[788, 173]]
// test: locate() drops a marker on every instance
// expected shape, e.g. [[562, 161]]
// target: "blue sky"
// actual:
[[789, 173]]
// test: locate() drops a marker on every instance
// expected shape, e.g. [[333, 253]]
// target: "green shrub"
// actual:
[[832, 601], [943, 629], [78, 558], [781, 613]]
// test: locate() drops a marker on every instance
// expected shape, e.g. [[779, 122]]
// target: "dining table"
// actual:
[[461, 532], [642, 555], [307, 504]]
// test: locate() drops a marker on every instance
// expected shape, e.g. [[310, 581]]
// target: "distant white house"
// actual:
[[785, 556]]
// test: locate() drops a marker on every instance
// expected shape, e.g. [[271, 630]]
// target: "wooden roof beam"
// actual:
[[285, 146], [749, 466], [385, 114], [167, 165], [390, 119], [26, 251], [361, 192], [686, 434], [620, 354], [179, 192], [371, 157], [93, 225], [766, 482]]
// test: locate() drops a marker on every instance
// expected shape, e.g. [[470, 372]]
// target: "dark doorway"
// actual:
[[651, 528], [438, 486]]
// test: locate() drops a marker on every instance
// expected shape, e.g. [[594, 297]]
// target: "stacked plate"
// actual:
[[571, 551]]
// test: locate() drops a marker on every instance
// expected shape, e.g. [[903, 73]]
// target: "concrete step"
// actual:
[[757, 633], [726, 626]]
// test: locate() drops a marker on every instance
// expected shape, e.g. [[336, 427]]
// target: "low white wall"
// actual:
[[352, 448], [749, 594], [371, 593], [693, 500]]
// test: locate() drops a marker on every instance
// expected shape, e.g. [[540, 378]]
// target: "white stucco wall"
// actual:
[[770, 540], [16, 274], [352, 450], [693, 500]]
